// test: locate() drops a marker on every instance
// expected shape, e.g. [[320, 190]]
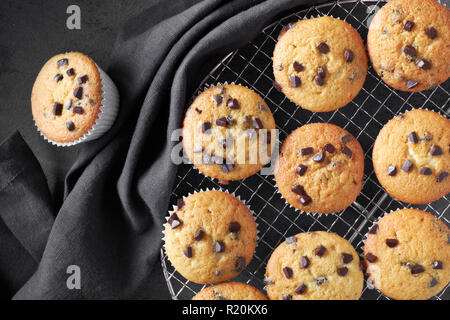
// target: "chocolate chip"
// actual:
[[82, 79], [70, 125], [306, 151], [323, 47], [219, 246], [222, 122], [435, 150], [412, 137], [425, 171], [78, 110], [62, 62], [391, 243], [240, 264], [320, 281], [291, 239], [407, 165], [342, 271], [410, 84], [424, 64], [217, 98], [301, 169], [304, 262], [287, 297], [346, 138], [301, 288], [257, 124], [262, 107], [431, 32], [217, 273], [320, 251], [198, 110], [371, 257], [298, 189], [432, 283], [57, 108], [224, 143], [410, 50], [180, 204], [374, 229], [277, 86], [230, 121], [268, 138], [295, 81], [227, 167], [392, 170], [437, 265], [68, 105], [233, 104], [417, 269], [346, 257], [329, 148], [321, 73], [442, 176], [58, 77], [70, 72], [234, 226], [298, 67], [346, 150], [198, 235], [305, 200], [78, 92], [319, 157], [348, 55], [408, 25], [174, 221], [288, 272], [267, 281], [206, 127], [188, 252], [318, 80]]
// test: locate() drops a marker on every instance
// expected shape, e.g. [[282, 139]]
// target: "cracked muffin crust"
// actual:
[[211, 237], [412, 154], [407, 254], [314, 266], [320, 168], [409, 44], [228, 132], [320, 64], [230, 291]]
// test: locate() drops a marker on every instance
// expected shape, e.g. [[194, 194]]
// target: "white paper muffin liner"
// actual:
[[106, 116]]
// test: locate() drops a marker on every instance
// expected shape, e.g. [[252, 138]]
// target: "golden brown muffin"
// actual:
[[320, 168], [226, 132], [314, 266], [320, 64], [230, 291], [409, 44], [66, 97], [411, 156], [211, 237], [407, 253]]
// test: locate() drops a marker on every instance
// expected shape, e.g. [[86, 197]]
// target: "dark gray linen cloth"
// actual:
[[116, 194]]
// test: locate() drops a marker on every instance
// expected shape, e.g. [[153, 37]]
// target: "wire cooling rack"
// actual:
[[363, 117]]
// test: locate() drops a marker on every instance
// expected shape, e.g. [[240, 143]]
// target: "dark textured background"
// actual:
[[31, 31]]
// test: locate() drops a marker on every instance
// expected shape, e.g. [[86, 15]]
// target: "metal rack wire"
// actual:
[[363, 117]]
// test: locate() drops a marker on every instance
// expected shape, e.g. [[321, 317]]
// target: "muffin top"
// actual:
[[314, 266], [320, 64], [211, 237], [66, 97], [227, 132], [230, 291], [409, 44], [320, 168], [412, 154], [407, 254]]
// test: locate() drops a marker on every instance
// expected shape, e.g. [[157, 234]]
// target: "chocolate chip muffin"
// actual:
[[314, 266], [320, 168], [210, 237], [408, 44], [412, 155], [407, 254], [228, 132], [230, 291], [320, 64], [73, 100]]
